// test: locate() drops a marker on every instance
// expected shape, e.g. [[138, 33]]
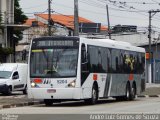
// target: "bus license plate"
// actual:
[[51, 90]]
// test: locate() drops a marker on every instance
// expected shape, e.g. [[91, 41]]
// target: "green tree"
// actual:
[[19, 15], [19, 18]]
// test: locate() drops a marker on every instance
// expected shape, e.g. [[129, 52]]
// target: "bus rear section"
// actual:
[[111, 69], [53, 69]]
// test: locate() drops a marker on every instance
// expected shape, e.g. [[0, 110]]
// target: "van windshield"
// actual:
[[5, 74]]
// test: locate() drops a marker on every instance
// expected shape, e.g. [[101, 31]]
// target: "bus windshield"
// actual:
[[54, 63]]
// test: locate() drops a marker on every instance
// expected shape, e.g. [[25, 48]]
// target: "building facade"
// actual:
[[7, 14], [7, 27]]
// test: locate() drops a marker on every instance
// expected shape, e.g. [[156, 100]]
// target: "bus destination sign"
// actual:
[[49, 43]]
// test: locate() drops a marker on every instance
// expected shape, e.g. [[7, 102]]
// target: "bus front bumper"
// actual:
[[54, 93]]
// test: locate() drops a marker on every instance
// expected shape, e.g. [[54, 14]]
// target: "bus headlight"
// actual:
[[72, 84], [33, 84]]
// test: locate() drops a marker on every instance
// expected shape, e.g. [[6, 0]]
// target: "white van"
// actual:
[[13, 77]]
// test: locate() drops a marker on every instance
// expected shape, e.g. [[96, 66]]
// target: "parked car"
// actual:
[[13, 77]]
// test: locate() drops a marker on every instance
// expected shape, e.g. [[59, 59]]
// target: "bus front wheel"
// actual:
[[93, 100], [48, 102]]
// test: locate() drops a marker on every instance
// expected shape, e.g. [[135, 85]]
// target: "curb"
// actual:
[[147, 96], [21, 104]]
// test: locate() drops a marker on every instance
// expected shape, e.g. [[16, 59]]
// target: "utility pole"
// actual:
[[109, 32], [150, 60], [76, 20], [6, 30], [149, 37], [49, 17]]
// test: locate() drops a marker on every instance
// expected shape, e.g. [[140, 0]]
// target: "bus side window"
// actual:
[[83, 54], [84, 64]]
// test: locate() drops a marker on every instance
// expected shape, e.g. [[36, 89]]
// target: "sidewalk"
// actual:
[[10, 102], [152, 89], [151, 85]]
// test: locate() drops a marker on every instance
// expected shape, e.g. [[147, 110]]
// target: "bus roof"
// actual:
[[112, 44], [100, 42]]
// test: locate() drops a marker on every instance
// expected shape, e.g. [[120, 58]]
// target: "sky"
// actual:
[[124, 12]]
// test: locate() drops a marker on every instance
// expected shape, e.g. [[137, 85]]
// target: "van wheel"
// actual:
[[25, 90], [9, 91], [94, 98], [48, 102]]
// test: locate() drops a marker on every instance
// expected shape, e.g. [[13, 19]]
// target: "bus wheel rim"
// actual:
[[94, 95], [128, 93]]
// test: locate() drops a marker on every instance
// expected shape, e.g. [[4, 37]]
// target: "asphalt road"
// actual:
[[140, 105], [81, 111], [19, 98]]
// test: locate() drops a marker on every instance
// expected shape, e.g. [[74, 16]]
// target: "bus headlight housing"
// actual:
[[36, 81], [33, 84], [72, 84]]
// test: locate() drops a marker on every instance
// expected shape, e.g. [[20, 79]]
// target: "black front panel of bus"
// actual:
[[54, 42]]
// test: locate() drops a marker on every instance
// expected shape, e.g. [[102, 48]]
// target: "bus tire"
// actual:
[[128, 92], [133, 92], [93, 100], [48, 102]]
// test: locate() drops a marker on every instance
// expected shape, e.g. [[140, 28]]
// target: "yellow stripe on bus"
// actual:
[[36, 50]]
